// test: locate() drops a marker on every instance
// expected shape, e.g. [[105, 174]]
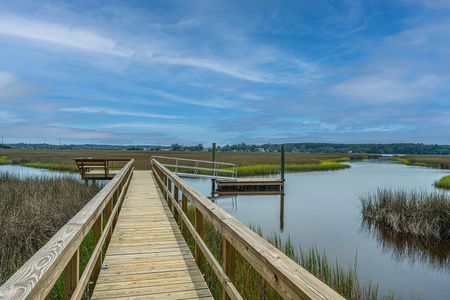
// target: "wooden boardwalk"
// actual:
[[148, 257]]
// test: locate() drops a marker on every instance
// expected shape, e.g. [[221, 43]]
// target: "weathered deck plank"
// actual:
[[148, 257]]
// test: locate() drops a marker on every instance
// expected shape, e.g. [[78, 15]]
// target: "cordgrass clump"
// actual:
[[443, 183], [4, 160], [268, 169], [433, 161], [51, 166], [32, 210], [420, 214]]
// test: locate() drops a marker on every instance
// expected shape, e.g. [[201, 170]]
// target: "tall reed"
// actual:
[[32, 210], [252, 286], [443, 183], [421, 214]]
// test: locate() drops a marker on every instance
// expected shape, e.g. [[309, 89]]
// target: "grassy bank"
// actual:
[[420, 214], [142, 161], [266, 169], [4, 160], [443, 183], [433, 161], [32, 210], [51, 166], [251, 285]]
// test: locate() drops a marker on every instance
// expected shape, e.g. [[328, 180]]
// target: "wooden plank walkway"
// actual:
[[148, 257]]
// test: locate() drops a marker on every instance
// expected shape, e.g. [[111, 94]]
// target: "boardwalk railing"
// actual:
[[198, 168], [99, 168], [289, 279], [61, 255]]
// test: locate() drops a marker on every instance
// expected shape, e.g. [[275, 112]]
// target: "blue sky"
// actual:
[[160, 72]]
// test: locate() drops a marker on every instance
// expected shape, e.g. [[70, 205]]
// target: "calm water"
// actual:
[[26, 172], [322, 209]]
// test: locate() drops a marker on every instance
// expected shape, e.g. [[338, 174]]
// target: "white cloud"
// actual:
[[141, 125], [8, 117], [386, 88], [114, 112], [67, 36], [214, 103], [6, 79], [252, 68]]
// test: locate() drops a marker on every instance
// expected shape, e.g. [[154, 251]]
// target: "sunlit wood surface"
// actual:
[[148, 257]]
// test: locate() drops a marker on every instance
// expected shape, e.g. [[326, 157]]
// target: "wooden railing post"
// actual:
[[97, 231], [72, 275], [184, 208], [108, 212], [199, 229], [169, 188], [175, 196], [229, 263]]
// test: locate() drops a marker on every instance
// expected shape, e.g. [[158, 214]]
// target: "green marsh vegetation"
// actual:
[[32, 210], [268, 169], [410, 213], [433, 161], [443, 183], [266, 163], [252, 286], [4, 160]]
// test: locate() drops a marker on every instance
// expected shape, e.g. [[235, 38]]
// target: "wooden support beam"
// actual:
[[199, 229], [108, 211], [184, 208], [97, 231], [169, 188], [72, 275], [229, 263], [175, 196]]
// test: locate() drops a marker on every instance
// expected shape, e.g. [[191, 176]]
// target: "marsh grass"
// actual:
[[51, 166], [433, 161], [443, 183], [252, 286], [4, 160], [420, 214], [142, 158], [32, 210], [267, 169]]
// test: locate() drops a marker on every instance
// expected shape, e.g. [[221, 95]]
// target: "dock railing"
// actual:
[[61, 255], [99, 168], [287, 278], [198, 168]]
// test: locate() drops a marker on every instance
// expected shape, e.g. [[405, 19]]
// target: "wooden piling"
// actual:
[[282, 162]]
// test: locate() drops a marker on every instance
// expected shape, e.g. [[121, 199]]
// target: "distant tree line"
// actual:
[[399, 148]]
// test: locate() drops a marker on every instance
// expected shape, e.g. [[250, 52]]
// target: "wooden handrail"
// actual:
[[36, 278], [289, 279]]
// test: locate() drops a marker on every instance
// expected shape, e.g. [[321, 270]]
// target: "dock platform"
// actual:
[[242, 186], [147, 257]]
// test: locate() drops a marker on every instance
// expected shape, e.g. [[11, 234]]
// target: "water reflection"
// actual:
[[414, 250]]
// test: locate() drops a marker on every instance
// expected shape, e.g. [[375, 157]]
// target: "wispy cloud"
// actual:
[[58, 34], [86, 39], [114, 112], [8, 117], [386, 87], [144, 126], [5, 79]]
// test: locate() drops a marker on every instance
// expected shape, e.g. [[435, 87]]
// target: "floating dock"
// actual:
[[250, 186]]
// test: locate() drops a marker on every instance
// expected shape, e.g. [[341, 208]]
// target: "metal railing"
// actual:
[[185, 167]]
